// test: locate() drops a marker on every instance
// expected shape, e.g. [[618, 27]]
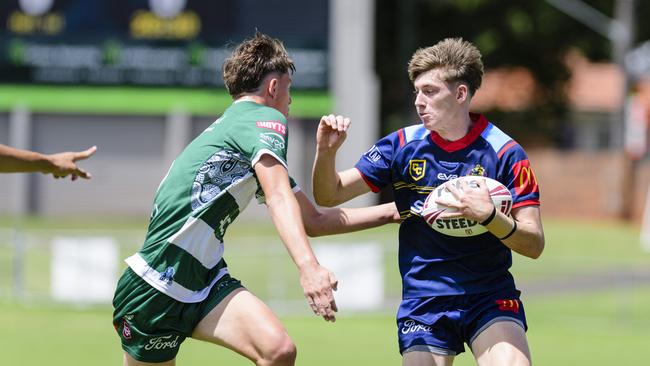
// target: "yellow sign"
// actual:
[[416, 168], [49, 23], [147, 25]]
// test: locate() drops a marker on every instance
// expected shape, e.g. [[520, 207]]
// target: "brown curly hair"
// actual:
[[251, 61]]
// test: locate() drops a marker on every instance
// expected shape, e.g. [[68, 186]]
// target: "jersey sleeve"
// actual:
[[375, 164], [269, 135], [517, 174]]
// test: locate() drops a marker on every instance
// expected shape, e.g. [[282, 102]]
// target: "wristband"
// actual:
[[490, 218], [514, 228]]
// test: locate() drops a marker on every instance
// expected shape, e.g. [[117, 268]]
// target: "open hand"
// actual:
[[318, 284]]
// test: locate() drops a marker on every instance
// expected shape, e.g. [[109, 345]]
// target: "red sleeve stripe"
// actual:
[[534, 202], [505, 148], [373, 187], [400, 134]]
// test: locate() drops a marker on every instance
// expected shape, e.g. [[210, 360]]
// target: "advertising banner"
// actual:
[[152, 42]]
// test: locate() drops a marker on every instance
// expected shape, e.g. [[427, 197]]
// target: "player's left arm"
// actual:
[[523, 232], [320, 221]]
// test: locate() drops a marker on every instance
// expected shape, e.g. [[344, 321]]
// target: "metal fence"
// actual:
[[31, 267]]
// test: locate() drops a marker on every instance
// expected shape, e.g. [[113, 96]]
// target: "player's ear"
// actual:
[[272, 88], [462, 92]]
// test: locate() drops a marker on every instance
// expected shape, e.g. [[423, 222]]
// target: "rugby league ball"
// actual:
[[460, 226]]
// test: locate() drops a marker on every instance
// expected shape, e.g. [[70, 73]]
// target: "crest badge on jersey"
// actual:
[[417, 168], [478, 170]]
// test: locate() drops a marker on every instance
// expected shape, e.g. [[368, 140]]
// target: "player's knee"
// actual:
[[514, 356], [505, 354], [283, 353]]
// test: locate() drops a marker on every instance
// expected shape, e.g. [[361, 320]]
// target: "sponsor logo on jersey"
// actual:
[[273, 140], [445, 176], [273, 125], [223, 224], [417, 168], [163, 342], [373, 154], [448, 164], [417, 206], [168, 275], [126, 330], [525, 181], [411, 326], [508, 305], [477, 170]]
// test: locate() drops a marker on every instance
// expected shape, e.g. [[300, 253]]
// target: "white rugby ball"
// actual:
[[460, 226]]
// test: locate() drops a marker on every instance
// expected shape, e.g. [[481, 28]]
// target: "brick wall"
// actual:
[[586, 184]]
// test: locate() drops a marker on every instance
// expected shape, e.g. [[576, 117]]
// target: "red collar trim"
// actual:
[[479, 124]]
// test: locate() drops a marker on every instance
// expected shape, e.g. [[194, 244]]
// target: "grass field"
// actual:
[[605, 325]]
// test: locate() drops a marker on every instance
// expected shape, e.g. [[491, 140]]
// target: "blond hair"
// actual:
[[458, 60]]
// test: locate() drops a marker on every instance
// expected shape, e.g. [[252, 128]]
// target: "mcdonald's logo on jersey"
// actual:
[[509, 305], [525, 181], [416, 168]]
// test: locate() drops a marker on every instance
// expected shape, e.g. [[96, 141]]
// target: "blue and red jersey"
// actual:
[[415, 161]]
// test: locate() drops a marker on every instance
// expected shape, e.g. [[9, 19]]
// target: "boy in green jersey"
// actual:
[[178, 284]]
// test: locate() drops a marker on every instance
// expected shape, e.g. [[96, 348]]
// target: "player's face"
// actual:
[[282, 97], [435, 100]]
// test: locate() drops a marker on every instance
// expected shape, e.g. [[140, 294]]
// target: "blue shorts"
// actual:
[[442, 324]]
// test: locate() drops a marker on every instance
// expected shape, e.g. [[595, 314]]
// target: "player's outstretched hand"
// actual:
[[318, 284], [332, 131], [64, 164]]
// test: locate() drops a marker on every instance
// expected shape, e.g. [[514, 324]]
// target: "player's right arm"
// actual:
[[59, 165], [330, 187]]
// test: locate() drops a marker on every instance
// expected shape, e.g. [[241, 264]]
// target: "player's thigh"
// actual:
[[130, 361], [417, 358], [502, 343], [244, 324]]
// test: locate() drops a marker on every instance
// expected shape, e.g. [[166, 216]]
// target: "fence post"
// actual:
[[177, 133], [20, 137]]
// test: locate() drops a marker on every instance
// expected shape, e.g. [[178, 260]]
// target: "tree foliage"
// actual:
[[532, 34]]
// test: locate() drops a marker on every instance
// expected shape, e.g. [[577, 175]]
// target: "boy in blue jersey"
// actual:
[[456, 290]]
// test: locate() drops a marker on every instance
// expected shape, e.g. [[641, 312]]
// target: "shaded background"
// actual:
[[559, 77], [569, 80]]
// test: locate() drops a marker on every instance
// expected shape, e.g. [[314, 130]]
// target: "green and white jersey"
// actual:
[[206, 188]]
